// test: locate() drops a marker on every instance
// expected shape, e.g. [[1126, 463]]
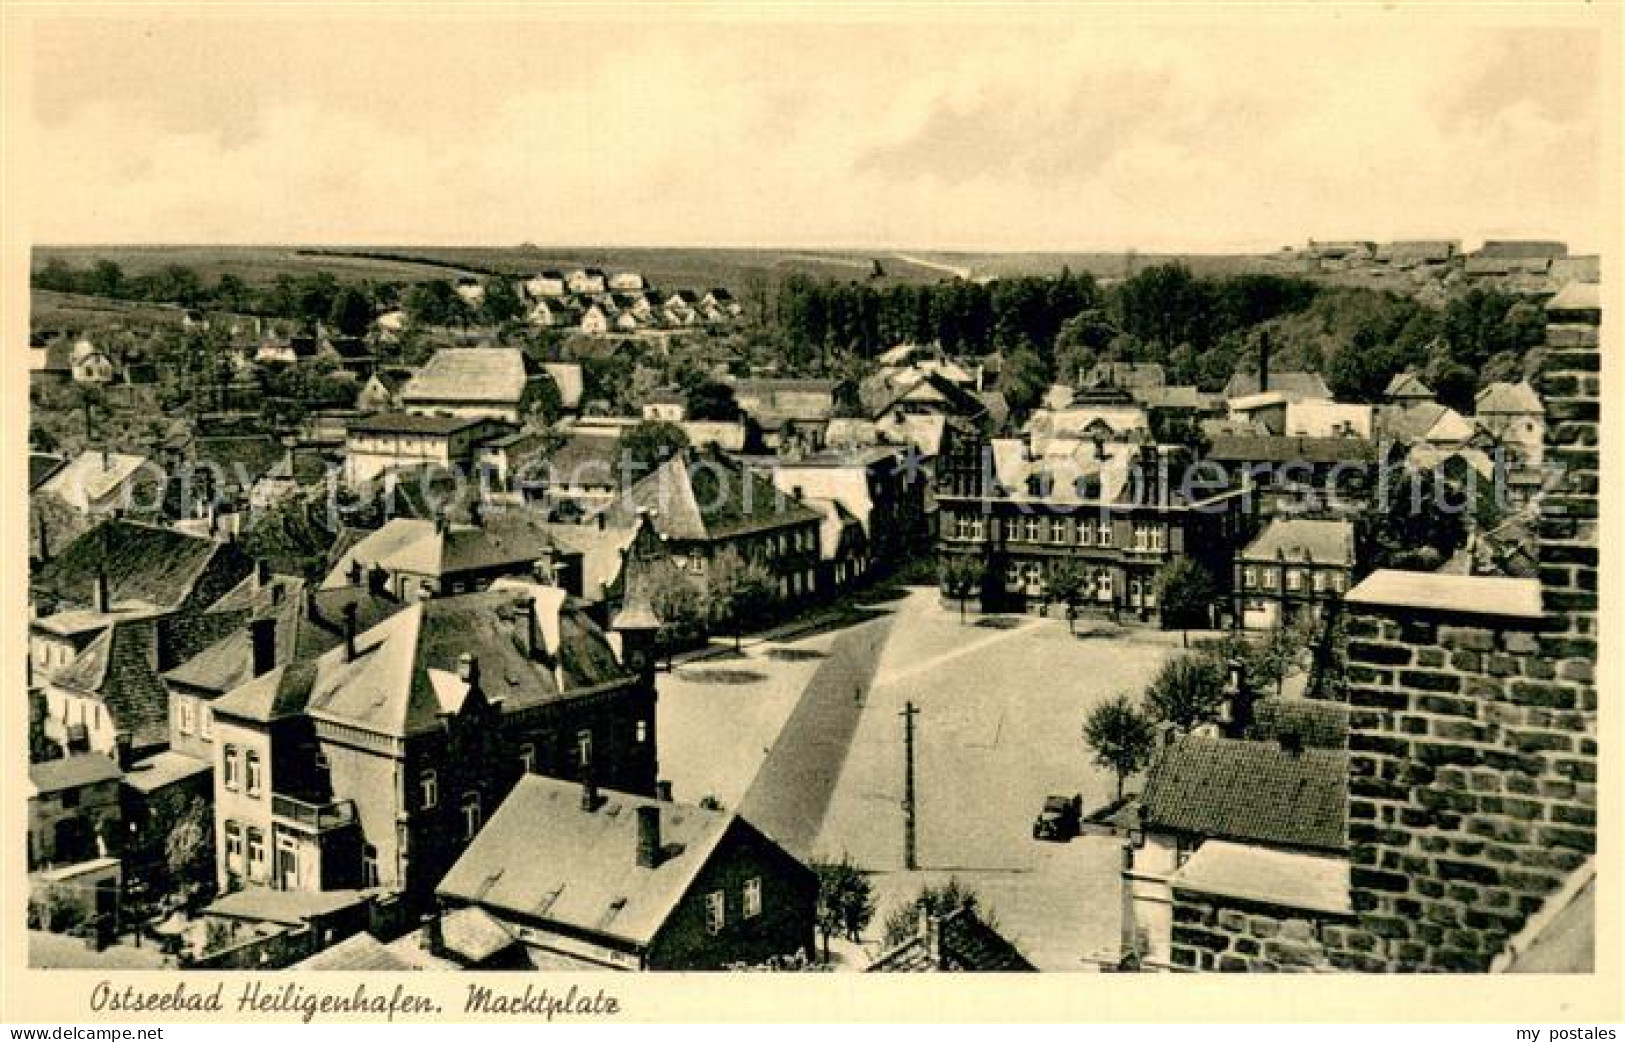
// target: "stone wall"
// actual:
[[1217, 933], [1473, 729]]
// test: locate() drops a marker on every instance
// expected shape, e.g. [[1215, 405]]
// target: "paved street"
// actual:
[[1001, 702]]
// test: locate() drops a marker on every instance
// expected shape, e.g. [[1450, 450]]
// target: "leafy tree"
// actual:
[[501, 302], [1066, 587], [1420, 523], [645, 446], [1187, 691], [436, 303], [106, 279], [680, 603], [232, 293], [712, 400], [903, 921], [846, 901], [741, 588], [961, 578], [351, 312], [541, 404], [1025, 379], [189, 846], [1121, 737], [1186, 590]]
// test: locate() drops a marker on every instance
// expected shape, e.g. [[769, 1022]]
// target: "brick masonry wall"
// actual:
[[1473, 738], [1215, 933]]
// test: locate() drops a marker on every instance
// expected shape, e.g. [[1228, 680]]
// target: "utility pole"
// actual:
[[910, 858]]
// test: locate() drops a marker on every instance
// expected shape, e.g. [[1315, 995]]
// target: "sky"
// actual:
[[1031, 133]]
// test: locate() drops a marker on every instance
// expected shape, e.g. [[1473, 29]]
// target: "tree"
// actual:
[[1121, 737], [501, 302], [680, 603], [961, 577], [1189, 690], [712, 400], [1066, 587], [741, 588], [541, 404], [436, 303], [846, 900], [351, 312], [189, 846], [645, 446], [903, 921], [1186, 590]]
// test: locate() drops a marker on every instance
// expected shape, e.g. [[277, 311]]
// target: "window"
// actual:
[[527, 759], [228, 768], [429, 789], [1269, 579], [205, 726], [234, 848], [962, 526], [716, 911], [188, 715], [1057, 530], [753, 898], [1249, 577], [1338, 579], [1086, 532], [1104, 533], [1320, 582], [1029, 529], [253, 773], [696, 563], [1294, 579], [256, 855], [70, 799], [642, 731], [976, 528], [584, 748], [369, 865], [1103, 586], [471, 814]]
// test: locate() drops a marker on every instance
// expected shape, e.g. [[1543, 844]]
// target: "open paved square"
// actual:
[[1001, 702]]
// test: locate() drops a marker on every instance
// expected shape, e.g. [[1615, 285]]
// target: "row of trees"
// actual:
[[1186, 590]]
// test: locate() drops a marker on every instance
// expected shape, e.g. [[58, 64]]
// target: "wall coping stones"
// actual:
[[1489, 595]]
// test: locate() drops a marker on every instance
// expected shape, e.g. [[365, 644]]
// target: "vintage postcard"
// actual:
[[529, 504]]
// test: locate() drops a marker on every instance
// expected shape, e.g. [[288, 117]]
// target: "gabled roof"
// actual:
[[1576, 297], [586, 876], [229, 661], [1298, 539], [1514, 398], [357, 952], [964, 944], [1290, 879], [1250, 792], [710, 497], [494, 375], [413, 423], [1296, 386], [72, 772], [1316, 722], [568, 378], [144, 564], [117, 669], [1407, 385], [392, 686]]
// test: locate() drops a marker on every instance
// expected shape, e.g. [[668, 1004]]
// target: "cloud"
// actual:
[[1043, 136]]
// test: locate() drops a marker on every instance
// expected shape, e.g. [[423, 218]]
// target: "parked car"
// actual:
[[1061, 818]]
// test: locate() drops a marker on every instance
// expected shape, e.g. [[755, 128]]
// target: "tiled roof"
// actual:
[[243, 460], [357, 952], [161, 770], [92, 475], [72, 772], [144, 564], [965, 944], [117, 670], [586, 877], [41, 466], [1407, 385], [470, 374], [1325, 542], [1250, 792], [474, 935], [1315, 722]]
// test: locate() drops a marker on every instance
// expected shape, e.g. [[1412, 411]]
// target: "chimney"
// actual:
[[1263, 362], [599, 517], [648, 837], [349, 632], [103, 596], [1291, 742], [262, 573], [468, 668], [356, 572], [931, 933], [476, 512], [123, 750], [530, 636], [262, 632], [589, 794], [107, 459]]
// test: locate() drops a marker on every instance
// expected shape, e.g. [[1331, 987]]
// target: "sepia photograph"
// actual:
[[525, 499]]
